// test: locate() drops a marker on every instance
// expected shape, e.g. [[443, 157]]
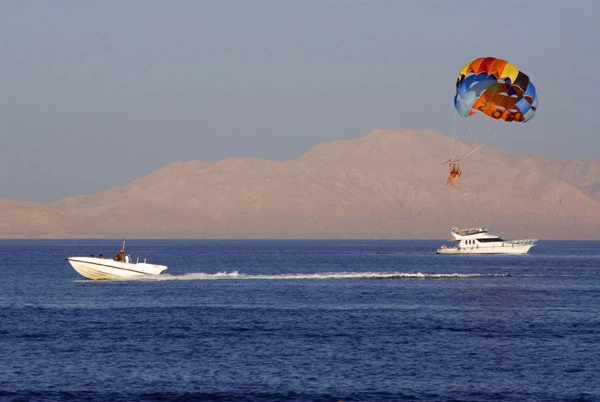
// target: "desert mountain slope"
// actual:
[[387, 184]]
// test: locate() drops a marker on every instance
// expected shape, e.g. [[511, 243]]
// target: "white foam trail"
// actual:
[[235, 275]]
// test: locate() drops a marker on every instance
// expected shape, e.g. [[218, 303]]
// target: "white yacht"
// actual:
[[99, 268], [479, 241]]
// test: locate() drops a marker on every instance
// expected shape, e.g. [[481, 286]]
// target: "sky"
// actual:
[[97, 93]]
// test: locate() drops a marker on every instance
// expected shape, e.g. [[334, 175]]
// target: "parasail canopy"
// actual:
[[495, 88]]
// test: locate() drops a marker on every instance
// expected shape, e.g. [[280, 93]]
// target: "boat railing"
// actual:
[[469, 231]]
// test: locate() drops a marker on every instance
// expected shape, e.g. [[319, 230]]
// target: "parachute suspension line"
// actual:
[[454, 129], [465, 135], [482, 132], [488, 135], [462, 135], [469, 137]]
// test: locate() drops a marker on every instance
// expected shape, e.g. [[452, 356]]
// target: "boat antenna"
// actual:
[[124, 242]]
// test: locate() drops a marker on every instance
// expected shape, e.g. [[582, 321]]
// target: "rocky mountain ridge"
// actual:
[[387, 184]]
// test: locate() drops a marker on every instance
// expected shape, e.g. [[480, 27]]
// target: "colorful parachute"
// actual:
[[495, 88]]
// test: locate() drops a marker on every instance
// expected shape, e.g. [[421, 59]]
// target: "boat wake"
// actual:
[[235, 275]]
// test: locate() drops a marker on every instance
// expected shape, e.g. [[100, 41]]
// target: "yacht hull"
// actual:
[[478, 241], [104, 269], [504, 248]]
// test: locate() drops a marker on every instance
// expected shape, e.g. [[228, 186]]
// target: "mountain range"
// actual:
[[387, 184]]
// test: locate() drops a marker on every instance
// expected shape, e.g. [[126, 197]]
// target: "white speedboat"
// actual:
[[107, 268], [478, 241]]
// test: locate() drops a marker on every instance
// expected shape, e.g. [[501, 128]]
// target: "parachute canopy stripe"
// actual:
[[495, 88], [501, 69]]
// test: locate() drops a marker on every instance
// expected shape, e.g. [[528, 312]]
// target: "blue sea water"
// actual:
[[301, 320]]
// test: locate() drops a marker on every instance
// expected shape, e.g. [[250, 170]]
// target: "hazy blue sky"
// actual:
[[94, 94]]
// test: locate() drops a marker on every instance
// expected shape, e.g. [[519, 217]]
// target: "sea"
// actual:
[[301, 320]]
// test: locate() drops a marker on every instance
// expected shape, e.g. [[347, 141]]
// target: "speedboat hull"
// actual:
[[103, 269]]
